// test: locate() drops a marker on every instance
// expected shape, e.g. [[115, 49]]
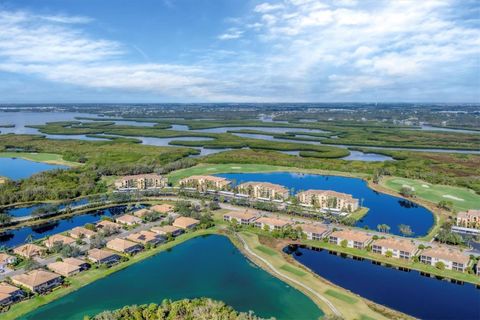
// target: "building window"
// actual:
[[377, 249]]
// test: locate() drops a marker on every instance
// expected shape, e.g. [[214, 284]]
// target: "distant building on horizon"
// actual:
[[141, 182], [328, 199]]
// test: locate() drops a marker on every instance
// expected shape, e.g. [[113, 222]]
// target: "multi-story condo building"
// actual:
[[353, 239], [263, 190], [314, 231], [271, 223], [399, 248], [241, 217], [451, 258], [469, 219], [328, 199], [141, 182], [204, 183]]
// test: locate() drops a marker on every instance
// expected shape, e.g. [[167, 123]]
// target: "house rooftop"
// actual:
[[58, 238], [313, 228], [446, 254], [141, 213], [100, 254], [165, 229], [8, 289], [120, 245], [396, 244], [107, 223], [185, 222], [330, 193], [128, 218], [5, 256], [79, 231], [469, 214], [63, 268], [74, 261], [28, 250], [272, 221], [35, 277], [352, 235], [143, 236], [246, 215], [162, 208]]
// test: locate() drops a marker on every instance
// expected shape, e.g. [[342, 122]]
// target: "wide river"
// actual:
[[383, 208], [406, 291], [202, 267]]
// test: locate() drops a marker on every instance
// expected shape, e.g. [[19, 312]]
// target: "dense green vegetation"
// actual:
[[99, 159], [202, 308]]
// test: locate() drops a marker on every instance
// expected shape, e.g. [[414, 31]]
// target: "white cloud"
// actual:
[[231, 34], [267, 7]]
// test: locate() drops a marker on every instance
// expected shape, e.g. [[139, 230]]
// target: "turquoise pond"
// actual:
[[383, 208], [207, 266], [16, 168]]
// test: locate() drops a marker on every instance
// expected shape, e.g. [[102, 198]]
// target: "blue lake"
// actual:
[[17, 237], [28, 210], [16, 169], [406, 291], [202, 267], [383, 208]]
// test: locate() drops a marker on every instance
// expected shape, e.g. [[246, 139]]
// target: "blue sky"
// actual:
[[239, 51]]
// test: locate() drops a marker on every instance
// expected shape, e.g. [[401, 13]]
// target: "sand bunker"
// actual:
[[425, 186], [236, 167], [452, 197]]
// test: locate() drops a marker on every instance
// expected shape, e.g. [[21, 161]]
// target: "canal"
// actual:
[[406, 291], [202, 267]]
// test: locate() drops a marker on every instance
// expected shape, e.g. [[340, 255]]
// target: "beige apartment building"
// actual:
[[263, 190], [469, 219], [399, 248], [328, 199], [141, 182], [354, 239], [314, 231], [241, 217], [452, 259], [271, 223], [204, 183]]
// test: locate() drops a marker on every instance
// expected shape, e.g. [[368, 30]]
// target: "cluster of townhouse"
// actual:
[[318, 199], [141, 182], [468, 222], [400, 248], [45, 279]]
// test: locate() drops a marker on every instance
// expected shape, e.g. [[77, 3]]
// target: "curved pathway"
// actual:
[[269, 265]]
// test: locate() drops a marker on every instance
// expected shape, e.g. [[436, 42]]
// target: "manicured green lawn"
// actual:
[[341, 296], [222, 168], [462, 198], [293, 270], [39, 157], [266, 250]]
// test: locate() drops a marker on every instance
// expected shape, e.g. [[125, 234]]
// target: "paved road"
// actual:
[[284, 276]]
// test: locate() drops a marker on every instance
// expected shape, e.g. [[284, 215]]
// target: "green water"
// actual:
[[202, 267]]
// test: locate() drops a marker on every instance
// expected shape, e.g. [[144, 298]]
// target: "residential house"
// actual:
[[469, 219], [81, 233], [128, 220], [263, 190], [9, 294], [328, 199], [29, 250], [241, 217], [204, 183], [354, 239], [38, 280], [101, 256], [166, 230], [162, 208], [271, 223], [399, 248], [453, 259], [185, 223], [58, 238], [82, 264], [124, 246], [146, 237], [141, 182], [5, 260], [107, 224], [63, 268], [314, 231]]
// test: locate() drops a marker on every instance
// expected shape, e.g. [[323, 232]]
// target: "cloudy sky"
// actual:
[[239, 51]]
